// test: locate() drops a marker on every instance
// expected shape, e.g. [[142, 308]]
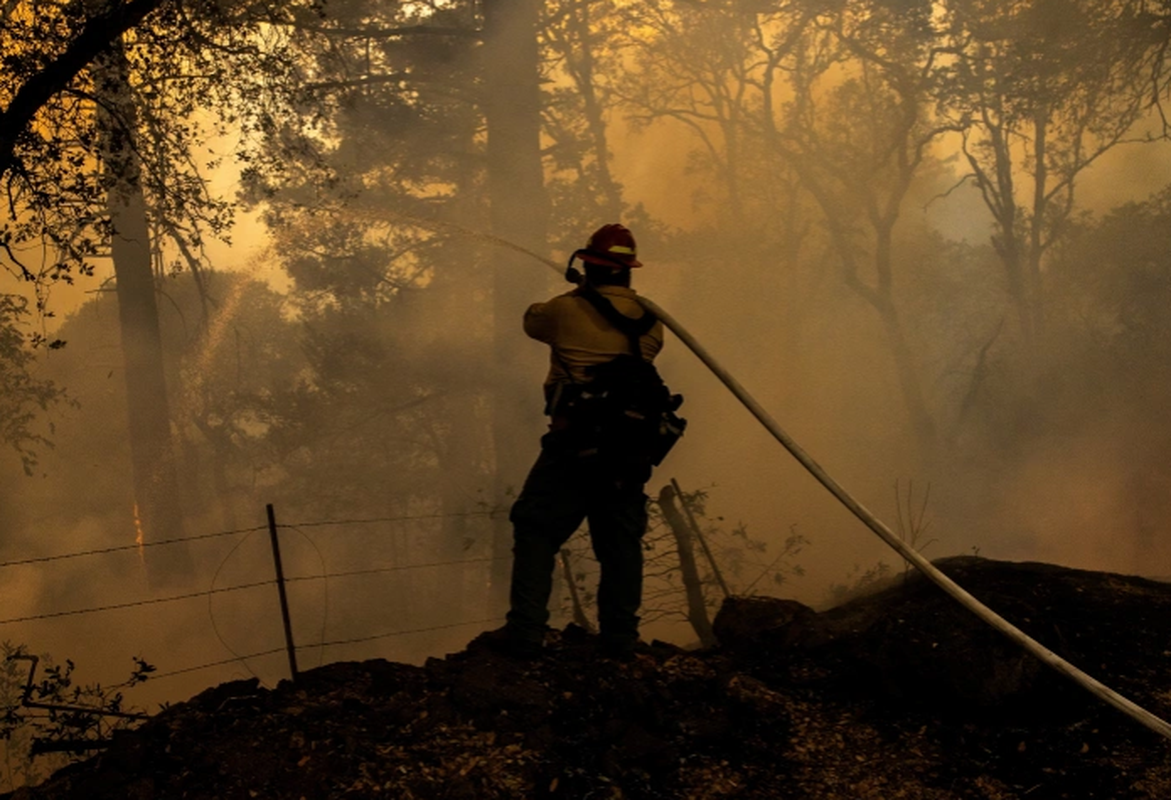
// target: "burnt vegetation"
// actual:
[[898, 694]]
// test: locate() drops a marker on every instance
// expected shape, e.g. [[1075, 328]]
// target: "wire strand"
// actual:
[[153, 601], [389, 634], [222, 663], [399, 568], [202, 536], [213, 591], [357, 640], [374, 520], [123, 547]]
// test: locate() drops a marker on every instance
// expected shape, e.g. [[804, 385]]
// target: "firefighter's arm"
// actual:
[[540, 321]]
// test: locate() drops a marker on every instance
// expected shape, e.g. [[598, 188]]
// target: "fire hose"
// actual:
[[1047, 656], [929, 570]]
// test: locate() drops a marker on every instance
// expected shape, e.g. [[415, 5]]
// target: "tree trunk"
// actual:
[[880, 298], [519, 214], [460, 291], [1034, 290], [910, 382], [1001, 200], [156, 483], [582, 69]]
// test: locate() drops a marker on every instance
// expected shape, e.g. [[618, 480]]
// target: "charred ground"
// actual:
[[901, 694]]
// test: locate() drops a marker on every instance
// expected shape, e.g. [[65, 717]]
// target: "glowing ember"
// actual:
[[139, 538]]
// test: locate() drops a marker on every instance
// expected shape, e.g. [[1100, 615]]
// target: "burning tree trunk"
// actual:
[[156, 484]]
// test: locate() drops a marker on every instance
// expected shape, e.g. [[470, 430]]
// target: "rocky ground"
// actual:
[[902, 694]]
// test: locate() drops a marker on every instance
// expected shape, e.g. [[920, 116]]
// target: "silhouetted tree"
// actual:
[[858, 132], [578, 37], [116, 162], [158, 512], [1041, 90]]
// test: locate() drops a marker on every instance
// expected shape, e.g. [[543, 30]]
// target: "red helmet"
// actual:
[[610, 244]]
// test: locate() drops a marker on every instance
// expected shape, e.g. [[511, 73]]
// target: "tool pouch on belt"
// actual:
[[624, 413]]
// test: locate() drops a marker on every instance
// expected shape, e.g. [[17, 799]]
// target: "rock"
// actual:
[[751, 622], [912, 643]]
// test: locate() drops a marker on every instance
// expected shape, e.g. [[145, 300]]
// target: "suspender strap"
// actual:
[[634, 329]]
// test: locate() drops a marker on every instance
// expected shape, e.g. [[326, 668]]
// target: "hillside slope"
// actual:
[[898, 695]]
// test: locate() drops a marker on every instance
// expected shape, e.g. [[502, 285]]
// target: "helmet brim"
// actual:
[[610, 261]]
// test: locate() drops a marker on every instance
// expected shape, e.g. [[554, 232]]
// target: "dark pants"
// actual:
[[562, 489]]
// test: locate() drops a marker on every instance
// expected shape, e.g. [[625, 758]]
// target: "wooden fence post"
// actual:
[[696, 607], [719, 576], [579, 615]]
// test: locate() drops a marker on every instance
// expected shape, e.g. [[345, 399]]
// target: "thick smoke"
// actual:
[[370, 399]]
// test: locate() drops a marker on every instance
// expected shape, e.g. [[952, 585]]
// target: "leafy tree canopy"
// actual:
[[22, 394]]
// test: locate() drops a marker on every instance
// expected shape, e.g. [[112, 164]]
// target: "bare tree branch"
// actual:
[[389, 33]]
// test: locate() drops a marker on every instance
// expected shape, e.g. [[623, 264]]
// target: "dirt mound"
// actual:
[[898, 695]]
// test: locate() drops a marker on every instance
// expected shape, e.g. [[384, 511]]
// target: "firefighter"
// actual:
[[585, 470]]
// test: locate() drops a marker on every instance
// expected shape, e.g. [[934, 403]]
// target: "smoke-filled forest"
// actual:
[[278, 253]]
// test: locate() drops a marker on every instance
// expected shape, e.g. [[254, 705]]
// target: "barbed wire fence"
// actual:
[[351, 526], [278, 580]]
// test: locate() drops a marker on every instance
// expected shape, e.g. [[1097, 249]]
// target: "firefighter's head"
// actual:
[[609, 255]]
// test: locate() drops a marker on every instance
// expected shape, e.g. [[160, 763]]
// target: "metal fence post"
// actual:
[[280, 585]]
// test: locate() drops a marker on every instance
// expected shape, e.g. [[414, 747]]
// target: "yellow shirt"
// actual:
[[580, 337]]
